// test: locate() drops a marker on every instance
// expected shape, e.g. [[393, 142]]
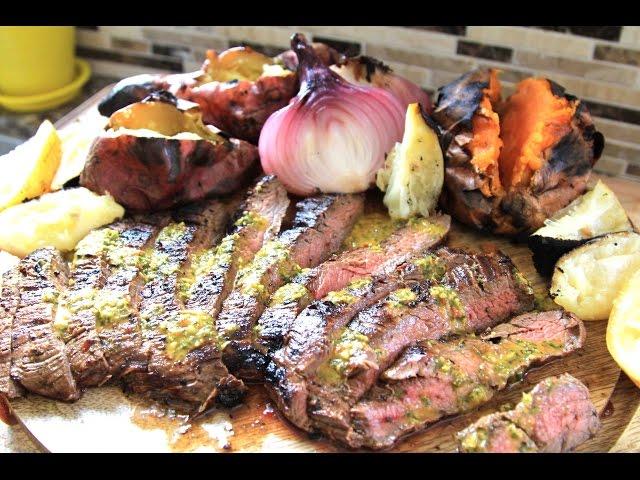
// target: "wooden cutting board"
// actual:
[[106, 420]]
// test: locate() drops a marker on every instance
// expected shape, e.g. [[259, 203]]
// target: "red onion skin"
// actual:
[[359, 122], [408, 92]]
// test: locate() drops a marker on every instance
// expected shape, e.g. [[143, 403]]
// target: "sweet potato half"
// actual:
[[511, 164], [158, 153], [237, 90]]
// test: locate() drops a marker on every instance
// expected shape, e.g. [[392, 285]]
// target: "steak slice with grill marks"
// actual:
[[312, 333], [436, 379], [185, 367], [39, 362], [337, 272], [557, 415], [9, 299], [120, 336], [90, 306], [165, 327], [319, 227], [201, 378], [462, 293]]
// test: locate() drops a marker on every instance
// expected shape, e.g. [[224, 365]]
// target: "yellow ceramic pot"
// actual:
[[36, 60]]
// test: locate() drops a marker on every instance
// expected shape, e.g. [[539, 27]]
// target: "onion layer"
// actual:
[[332, 137], [365, 70]]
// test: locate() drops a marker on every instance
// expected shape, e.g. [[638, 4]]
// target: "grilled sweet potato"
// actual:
[[237, 90], [155, 155], [512, 164]]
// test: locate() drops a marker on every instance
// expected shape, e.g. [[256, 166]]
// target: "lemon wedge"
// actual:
[[27, 171], [623, 329], [76, 143], [59, 219]]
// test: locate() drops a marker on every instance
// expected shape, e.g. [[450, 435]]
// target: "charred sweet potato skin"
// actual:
[[241, 108], [152, 173], [130, 90], [238, 108], [521, 208], [456, 106]]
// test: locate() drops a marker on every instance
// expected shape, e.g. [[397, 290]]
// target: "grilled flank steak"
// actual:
[[38, 360], [319, 227], [9, 299], [436, 379], [557, 415], [186, 369], [435, 295], [463, 293], [312, 333], [335, 274]]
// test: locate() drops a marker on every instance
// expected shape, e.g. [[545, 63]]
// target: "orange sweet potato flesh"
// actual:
[[533, 119], [511, 164], [486, 144]]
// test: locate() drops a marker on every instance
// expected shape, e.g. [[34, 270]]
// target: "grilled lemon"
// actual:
[[623, 330], [26, 172]]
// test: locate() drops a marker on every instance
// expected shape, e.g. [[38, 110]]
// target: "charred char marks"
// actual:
[[128, 91], [319, 227], [38, 359]]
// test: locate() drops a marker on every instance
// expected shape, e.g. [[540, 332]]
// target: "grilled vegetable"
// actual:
[[369, 71], [26, 172], [60, 219], [623, 329], [334, 135], [414, 169], [158, 153], [237, 90], [512, 164], [586, 280], [595, 213]]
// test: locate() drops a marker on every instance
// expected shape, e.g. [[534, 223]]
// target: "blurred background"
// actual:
[[599, 64]]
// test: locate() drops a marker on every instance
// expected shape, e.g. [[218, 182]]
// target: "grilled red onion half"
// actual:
[[333, 136]]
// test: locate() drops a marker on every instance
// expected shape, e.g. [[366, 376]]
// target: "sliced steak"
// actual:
[[215, 269], [319, 227], [120, 336], [77, 312], [557, 415], [308, 342], [336, 273], [463, 293], [39, 362], [185, 367], [436, 379], [9, 299]]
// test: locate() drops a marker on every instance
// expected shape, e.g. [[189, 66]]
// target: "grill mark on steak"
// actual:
[[9, 299], [556, 416], [38, 359], [258, 222], [319, 227], [336, 273], [433, 379], [318, 325], [191, 378], [90, 269], [486, 290], [121, 343]]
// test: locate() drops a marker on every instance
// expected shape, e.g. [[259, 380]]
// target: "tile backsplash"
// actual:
[[600, 64]]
